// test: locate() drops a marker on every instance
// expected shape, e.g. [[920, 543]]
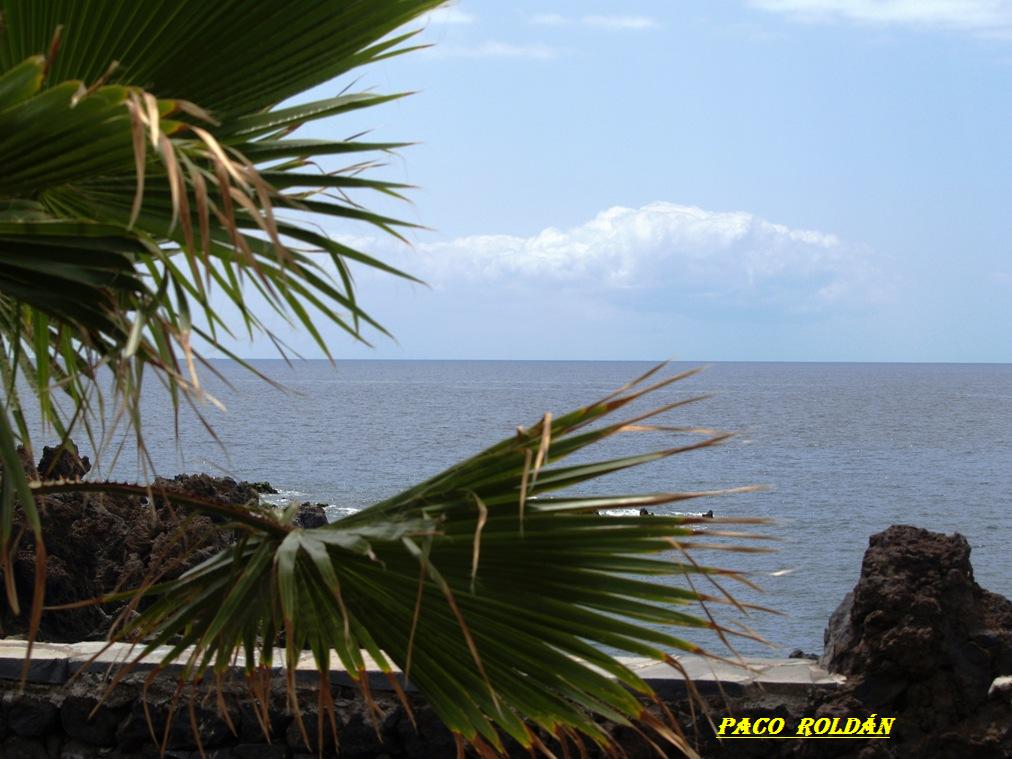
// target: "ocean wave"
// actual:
[[335, 512], [285, 498], [635, 512]]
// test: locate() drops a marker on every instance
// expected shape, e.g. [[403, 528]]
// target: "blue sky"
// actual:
[[823, 180]]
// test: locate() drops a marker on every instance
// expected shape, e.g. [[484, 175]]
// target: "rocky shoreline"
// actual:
[[100, 544], [917, 639]]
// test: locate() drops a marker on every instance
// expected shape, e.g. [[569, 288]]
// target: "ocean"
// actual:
[[844, 450]]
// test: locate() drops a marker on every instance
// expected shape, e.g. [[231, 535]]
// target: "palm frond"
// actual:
[[150, 168], [498, 602], [130, 210]]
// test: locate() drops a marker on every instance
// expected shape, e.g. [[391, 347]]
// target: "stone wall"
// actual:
[[67, 711], [80, 721]]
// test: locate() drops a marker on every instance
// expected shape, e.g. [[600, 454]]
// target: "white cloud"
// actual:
[[496, 49], [549, 19], [620, 22], [450, 14], [987, 17], [663, 250], [600, 22]]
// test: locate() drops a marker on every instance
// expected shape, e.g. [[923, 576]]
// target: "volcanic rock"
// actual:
[[919, 640], [263, 487], [98, 543], [214, 488], [311, 515], [63, 462], [798, 653]]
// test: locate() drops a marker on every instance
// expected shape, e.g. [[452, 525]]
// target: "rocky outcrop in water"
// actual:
[[311, 515], [920, 640], [213, 488]]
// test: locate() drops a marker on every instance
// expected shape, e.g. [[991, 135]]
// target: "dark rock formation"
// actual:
[[64, 462], [27, 463], [838, 637], [921, 641], [263, 487], [57, 719], [311, 515], [797, 653], [213, 488], [30, 716], [88, 720], [173, 725], [97, 544]]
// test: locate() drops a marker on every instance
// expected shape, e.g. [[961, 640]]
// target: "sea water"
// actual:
[[844, 450]]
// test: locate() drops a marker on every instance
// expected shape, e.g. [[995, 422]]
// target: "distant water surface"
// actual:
[[847, 449]]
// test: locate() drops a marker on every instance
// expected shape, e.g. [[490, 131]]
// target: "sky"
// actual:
[[728, 180]]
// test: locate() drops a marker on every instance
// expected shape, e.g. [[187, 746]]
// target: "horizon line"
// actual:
[[294, 360]]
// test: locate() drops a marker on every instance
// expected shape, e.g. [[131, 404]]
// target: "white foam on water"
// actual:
[[619, 512], [285, 498], [335, 512], [635, 512]]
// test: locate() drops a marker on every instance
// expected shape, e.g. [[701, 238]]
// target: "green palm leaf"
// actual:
[[125, 177], [496, 601], [147, 147]]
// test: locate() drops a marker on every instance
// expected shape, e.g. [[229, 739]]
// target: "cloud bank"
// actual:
[[598, 21], [620, 22], [496, 49], [664, 250], [987, 17], [662, 280]]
